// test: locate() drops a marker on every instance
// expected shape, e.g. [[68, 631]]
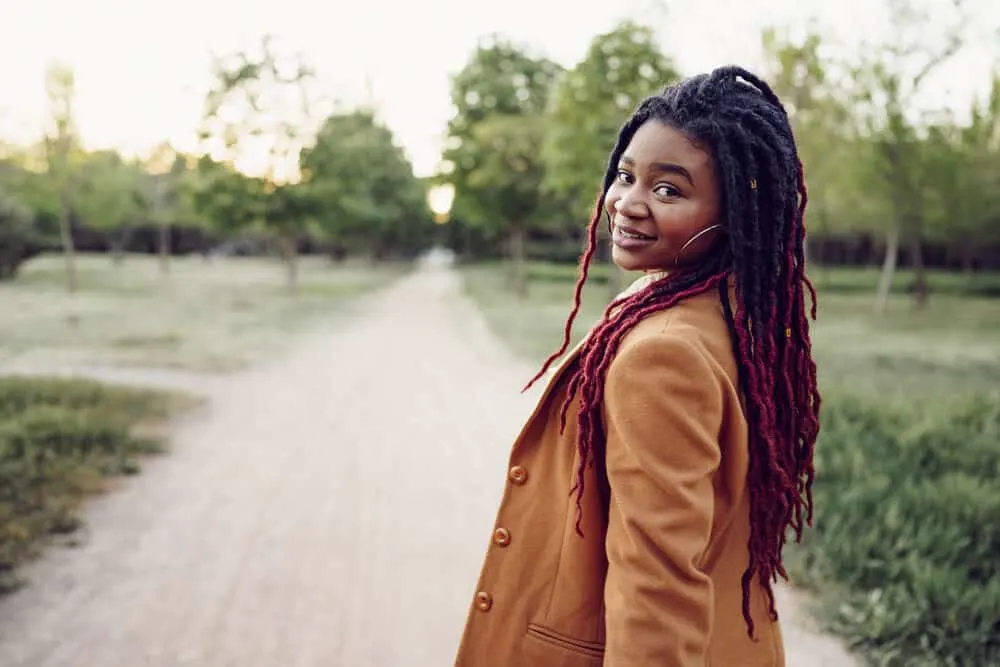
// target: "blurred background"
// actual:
[[191, 186]]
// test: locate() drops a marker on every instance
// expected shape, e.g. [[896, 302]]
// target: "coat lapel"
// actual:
[[552, 376]]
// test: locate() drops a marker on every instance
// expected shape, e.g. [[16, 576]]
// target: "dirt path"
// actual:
[[330, 509]]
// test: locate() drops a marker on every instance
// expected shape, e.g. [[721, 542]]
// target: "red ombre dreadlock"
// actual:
[[763, 202]]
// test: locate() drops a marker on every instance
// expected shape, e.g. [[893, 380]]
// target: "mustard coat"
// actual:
[[656, 579]]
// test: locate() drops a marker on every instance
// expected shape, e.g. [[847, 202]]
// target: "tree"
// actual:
[[165, 170], [232, 200], [961, 172], [508, 176], [499, 86], [109, 197], [61, 144], [363, 186], [980, 147], [185, 184], [890, 82], [24, 171], [259, 106], [829, 146]]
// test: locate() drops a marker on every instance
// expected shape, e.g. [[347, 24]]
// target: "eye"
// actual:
[[666, 190], [623, 176]]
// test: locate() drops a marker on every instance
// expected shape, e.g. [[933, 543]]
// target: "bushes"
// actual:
[[908, 528], [19, 239], [58, 438], [829, 280]]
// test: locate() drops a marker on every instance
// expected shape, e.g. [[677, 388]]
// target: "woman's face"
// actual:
[[666, 191]]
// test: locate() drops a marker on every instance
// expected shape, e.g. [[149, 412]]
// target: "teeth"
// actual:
[[630, 235]]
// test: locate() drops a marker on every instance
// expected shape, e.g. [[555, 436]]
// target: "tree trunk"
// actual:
[[920, 288], [163, 245], [290, 256], [888, 270], [66, 237], [164, 249], [968, 259], [519, 278], [119, 244]]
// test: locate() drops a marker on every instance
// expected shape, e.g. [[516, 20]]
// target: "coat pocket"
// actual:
[[584, 652]]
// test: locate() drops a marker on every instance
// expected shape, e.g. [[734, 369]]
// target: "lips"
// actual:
[[629, 239]]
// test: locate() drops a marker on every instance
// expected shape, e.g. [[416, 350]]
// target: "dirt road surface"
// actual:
[[328, 509]]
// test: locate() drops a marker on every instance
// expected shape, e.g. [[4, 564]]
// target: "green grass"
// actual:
[[60, 441], [217, 315], [902, 557], [950, 346]]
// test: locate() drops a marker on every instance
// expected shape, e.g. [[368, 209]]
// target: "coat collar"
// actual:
[[636, 286], [548, 381]]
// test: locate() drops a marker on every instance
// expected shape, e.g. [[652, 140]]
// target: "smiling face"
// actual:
[[665, 192]]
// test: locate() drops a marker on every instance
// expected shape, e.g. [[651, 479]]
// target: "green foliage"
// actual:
[[23, 175], [61, 141], [110, 191], [500, 81], [259, 104], [19, 238], [837, 159], [960, 166], [363, 189], [178, 205], [57, 439], [62, 152], [233, 201], [509, 172], [591, 102], [495, 165], [908, 526]]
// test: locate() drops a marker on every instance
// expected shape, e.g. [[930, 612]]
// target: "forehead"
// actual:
[[656, 142]]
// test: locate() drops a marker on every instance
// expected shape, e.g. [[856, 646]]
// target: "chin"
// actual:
[[628, 261]]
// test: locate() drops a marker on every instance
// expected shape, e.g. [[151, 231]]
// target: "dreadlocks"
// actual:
[[763, 198]]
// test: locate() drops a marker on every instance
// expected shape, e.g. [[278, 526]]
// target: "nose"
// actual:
[[631, 205]]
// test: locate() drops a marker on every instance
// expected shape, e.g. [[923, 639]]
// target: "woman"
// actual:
[[649, 494]]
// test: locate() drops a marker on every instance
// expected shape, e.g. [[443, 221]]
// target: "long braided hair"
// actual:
[[743, 124]]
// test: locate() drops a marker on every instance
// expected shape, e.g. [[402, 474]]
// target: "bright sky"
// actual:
[[142, 66]]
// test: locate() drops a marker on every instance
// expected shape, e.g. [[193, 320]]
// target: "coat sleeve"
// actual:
[[663, 409]]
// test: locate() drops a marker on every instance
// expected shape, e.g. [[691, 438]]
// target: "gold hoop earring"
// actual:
[[695, 237]]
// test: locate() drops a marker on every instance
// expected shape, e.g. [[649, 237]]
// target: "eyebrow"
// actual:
[[666, 167]]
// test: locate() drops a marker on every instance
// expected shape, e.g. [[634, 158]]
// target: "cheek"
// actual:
[[678, 221], [610, 199]]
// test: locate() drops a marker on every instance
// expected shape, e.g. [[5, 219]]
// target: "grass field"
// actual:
[[206, 315], [952, 345], [61, 441]]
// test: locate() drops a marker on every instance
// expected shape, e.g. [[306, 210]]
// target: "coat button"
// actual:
[[501, 537], [484, 601], [518, 475]]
